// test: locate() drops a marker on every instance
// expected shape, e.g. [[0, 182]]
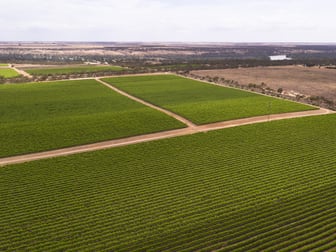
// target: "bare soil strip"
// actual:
[[177, 117], [157, 136], [19, 71]]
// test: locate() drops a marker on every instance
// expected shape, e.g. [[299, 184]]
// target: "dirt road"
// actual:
[[167, 112], [21, 72], [156, 136]]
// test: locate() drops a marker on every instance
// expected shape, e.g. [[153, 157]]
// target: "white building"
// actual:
[[279, 57]]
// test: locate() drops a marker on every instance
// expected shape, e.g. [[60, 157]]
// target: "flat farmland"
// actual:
[[201, 102], [8, 73], [71, 69], [305, 80], [262, 187], [44, 116]]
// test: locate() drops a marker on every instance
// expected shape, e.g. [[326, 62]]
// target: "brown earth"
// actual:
[[304, 80]]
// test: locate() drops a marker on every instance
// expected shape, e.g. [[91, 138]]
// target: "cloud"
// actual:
[[174, 20]]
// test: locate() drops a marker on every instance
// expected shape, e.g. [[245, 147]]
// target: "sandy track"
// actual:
[[177, 117], [156, 136], [19, 71]]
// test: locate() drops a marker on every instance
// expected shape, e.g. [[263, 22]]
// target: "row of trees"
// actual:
[[264, 89]]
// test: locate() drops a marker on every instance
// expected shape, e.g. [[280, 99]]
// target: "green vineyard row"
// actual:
[[200, 102], [263, 187], [43, 116]]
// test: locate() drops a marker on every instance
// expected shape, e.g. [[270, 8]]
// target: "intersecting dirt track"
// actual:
[[190, 129], [177, 117], [156, 136]]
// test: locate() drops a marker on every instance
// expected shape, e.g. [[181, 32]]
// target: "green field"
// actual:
[[3, 64], [200, 102], [42, 116], [8, 73], [74, 69], [262, 187]]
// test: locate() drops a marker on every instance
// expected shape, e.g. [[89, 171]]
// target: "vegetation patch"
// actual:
[[262, 187], [8, 73], [201, 102], [43, 116], [71, 70]]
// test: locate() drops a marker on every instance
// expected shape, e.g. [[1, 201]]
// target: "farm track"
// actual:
[[167, 112], [24, 73], [157, 136]]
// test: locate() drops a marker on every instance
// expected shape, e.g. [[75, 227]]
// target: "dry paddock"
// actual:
[[305, 80]]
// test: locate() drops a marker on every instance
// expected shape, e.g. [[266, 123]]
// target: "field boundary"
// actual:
[[246, 90], [157, 136]]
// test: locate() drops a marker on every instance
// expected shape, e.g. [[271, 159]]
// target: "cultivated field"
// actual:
[[71, 69], [43, 116], [200, 102], [309, 81], [8, 73], [262, 187]]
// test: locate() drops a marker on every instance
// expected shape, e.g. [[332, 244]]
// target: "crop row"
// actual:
[[36, 117], [209, 213], [8, 73], [201, 102], [72, 69], [259, 187], [163, 197]]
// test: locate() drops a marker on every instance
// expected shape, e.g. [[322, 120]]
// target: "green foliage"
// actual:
[[200, 102], [42, 116], [74, 69], [8, 73], [262, 187]]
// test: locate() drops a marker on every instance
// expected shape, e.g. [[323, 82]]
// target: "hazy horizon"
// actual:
[[184, 21]]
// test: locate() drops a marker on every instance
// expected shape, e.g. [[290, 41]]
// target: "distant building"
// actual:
[[279, 57], [92, 63]]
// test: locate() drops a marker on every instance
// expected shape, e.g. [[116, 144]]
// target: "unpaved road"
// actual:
[[21, 72], [177, 117], [157, 136]]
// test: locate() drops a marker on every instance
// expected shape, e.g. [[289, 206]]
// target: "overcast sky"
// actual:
[[169, 20]]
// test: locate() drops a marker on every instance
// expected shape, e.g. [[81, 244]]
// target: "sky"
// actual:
[[169, 20]]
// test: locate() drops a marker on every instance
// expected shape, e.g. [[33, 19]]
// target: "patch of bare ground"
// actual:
[[310, 81]]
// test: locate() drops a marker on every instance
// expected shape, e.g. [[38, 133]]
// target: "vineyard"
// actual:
[[8, 73], [71, 70], [43, 116], [200, 102], [261, 187]]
